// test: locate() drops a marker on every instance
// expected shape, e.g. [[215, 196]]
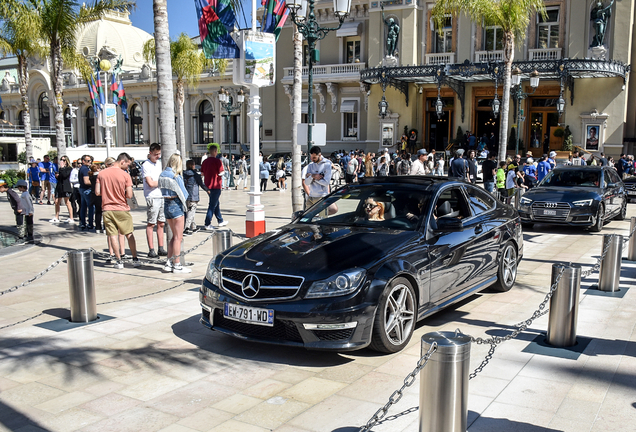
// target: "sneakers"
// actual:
[[209, 228], [194, 230], [162, 252], [49, 203], [187, 232], [136, 262], [54, 220], [119, 265], [70, 221], [168, 267], [223, 223], [126, 257], [111, 259], [178, 268], [152, 254]]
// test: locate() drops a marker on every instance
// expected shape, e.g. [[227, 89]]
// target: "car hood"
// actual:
[[315, 252], [562, 194]]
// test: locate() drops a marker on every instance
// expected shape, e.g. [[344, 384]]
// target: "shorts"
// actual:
[[511, 191], [118, 222], [155, 212], [173, 208], [46, 185], [61, 194]]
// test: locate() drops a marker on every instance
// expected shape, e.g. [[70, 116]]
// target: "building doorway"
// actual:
[[440, 130], [543, 121], [486, 124]]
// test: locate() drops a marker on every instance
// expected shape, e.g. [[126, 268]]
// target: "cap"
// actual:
[[33, 161], [552, 154], [22, 183], [529, 160], [3, 183], [528, 153], [460, 151], [421, 152]]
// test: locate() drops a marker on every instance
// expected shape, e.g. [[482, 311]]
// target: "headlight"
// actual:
[[340, 284], [525, 201], [583, 203], [213, 275]]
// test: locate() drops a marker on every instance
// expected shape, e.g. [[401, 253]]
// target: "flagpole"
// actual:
[[107, 136]]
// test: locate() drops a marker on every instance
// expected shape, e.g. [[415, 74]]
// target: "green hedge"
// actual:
[[12, 176]]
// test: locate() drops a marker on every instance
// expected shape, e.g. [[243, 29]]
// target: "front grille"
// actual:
[[272, 286], [282, 330], [333, 335], [205, 314], [561, 209]]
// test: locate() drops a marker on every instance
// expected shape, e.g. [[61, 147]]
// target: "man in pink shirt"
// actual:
[[114, 185], [212, 170]]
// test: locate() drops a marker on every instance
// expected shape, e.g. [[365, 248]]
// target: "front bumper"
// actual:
[[289, 317], [577, 216]]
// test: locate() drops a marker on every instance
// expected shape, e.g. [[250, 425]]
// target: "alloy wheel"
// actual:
[[399, 314], [509, 266]]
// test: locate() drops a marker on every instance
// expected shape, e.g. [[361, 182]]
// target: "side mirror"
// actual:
[[611, 185], [297, 214], [449, 224]]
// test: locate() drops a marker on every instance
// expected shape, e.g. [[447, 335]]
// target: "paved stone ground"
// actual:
[[148, 365]]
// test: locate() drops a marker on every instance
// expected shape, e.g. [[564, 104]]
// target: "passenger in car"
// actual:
[[374, 210]]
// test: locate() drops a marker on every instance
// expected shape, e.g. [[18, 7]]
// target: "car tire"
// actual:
[[623, 213], [395, 317], [507, 269], [600, 215]]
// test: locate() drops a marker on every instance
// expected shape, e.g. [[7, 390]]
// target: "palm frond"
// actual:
[[74, 60], [148, 51]]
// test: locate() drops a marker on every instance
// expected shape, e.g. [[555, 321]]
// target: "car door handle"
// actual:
[[478, 229]]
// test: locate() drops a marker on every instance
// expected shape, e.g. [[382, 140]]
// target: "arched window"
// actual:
[[136, 125], [206, 123], [43, 110], [90, 126], [21, 118], [3, 115]]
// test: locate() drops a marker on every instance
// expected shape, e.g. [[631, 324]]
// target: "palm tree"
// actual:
[[297, 197], [188, 63], [18, 26], [513, 17], [61, 21]]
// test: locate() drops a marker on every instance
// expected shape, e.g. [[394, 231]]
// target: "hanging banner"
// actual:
[[110, 115], [256, 65]]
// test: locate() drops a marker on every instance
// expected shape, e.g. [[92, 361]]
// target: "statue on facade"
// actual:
[[393, 31], [599, 16]]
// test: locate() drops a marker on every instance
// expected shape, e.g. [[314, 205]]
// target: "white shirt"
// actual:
[[511, 179], [318, 188], [417, 168], [74, 178], [152, 170]]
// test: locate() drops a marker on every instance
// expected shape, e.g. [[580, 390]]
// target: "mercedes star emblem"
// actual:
[[250, 286]]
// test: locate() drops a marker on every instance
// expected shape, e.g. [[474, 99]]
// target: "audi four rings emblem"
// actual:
[[250, 286], [551, 205]]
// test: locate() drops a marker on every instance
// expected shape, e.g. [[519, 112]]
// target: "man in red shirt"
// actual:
[[212, 170], [114, 185]]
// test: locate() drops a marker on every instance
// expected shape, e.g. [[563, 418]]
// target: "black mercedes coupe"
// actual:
[[630, 188], [363, 265], [585, 196]]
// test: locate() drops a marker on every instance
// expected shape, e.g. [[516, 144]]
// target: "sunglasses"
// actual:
[[370, 206]]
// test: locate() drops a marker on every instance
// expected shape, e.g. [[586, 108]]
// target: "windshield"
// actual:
[[584, 178], [389, 206]]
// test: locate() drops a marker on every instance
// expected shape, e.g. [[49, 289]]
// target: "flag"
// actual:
[[92, 89], [275, 15], [114, 88], [100, 91], [216, 20], [1, 102], [123, 101]]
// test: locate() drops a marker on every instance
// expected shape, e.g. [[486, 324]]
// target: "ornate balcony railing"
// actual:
[[440, 58], [544, 54], [488, 56], [335, 72]]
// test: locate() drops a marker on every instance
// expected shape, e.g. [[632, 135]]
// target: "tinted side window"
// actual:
[[614, 176], [479, 201], [607, 177], [457, 203]]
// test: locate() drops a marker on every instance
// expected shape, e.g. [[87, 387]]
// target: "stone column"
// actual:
[[145, 127], [152, 122]]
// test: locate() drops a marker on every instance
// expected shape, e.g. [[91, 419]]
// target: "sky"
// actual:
[[182, 17]]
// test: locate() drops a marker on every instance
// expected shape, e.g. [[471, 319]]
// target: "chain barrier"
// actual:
[[397, 395], [23, 321], [36, 277], [143, 295]]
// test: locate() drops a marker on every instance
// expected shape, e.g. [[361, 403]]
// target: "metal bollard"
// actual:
[[517, 201], [444, 383], [81, 283], [564, 305], [631, 248], [221, 241], [610, 271]]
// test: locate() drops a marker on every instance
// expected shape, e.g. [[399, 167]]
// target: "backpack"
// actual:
[[392, 169], [240, 170], [405, 167], [351, 166], [382, 170]]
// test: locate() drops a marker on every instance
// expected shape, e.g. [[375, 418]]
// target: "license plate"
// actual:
[[248, 314], [549, 212], [631, 192]]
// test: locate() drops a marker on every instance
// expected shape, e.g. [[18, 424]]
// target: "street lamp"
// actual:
[[228, 104], [71, 115], [384, 107], [495, 102], [560, 104], [302, 14], [519, 95]]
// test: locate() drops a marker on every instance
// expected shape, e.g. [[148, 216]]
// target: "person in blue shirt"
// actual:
[[530, 170], [543, 168], [33, 174], [47, 171], [551, 160]]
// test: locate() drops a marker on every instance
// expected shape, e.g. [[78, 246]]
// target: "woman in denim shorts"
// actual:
[[175, 195]]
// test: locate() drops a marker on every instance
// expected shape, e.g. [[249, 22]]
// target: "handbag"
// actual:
[[35, 183], [132, 203]]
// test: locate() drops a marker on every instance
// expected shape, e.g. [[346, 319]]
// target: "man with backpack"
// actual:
[[404, 165]]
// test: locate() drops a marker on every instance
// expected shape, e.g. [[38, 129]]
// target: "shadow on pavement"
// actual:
[[14, 420], [504, 425]]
